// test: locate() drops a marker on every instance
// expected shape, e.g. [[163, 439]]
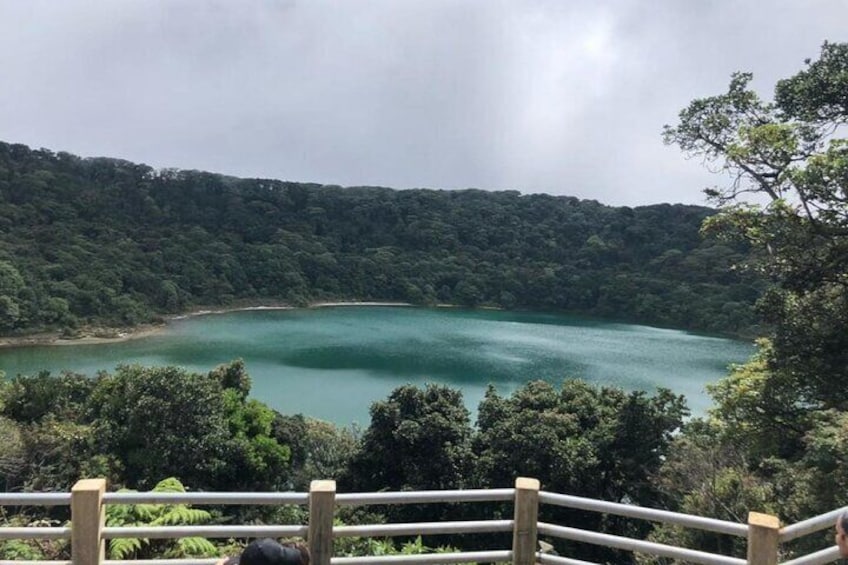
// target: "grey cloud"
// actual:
[[560, 97]]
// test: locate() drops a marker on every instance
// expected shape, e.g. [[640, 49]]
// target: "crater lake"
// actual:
[[331, 363]]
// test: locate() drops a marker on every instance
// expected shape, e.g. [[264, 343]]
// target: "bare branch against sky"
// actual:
[[564, 97]]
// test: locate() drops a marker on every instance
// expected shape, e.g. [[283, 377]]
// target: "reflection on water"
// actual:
[[331, 363]]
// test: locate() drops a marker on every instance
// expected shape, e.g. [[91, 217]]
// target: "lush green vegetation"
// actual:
[[775, 440], [139, 425], [108, 242]]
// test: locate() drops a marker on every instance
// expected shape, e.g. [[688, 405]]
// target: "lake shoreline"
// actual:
[[331, 363], [99, 335], [102, 335]]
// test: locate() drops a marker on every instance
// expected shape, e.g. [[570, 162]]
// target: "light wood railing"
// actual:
[[88, 533]]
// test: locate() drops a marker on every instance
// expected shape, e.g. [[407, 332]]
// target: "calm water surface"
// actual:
[[331, 363]]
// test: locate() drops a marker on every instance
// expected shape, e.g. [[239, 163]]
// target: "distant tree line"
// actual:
[[107, 242]]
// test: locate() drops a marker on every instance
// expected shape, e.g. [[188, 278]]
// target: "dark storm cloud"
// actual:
[[559, 97]]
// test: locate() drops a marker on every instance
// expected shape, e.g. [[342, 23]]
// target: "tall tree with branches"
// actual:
[[788, 159]]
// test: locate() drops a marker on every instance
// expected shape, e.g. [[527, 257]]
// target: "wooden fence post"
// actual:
[[322, 506], [763, 538], [526, 521], [87, 521]]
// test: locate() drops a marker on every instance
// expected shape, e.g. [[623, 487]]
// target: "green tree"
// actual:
[[598, 441], [30, 398], [13, 456], [11, 284], [139, 424], [783, 414], [161, 422], [418, 439], [255, 460], [707, 473], [790, 153], [583, 440], [11, 281], [126, 243], [327, 453]]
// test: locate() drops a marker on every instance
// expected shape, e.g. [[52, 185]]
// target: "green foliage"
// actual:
[[161, 422], [13, 455], [359, 547], [233, 376], [600, 442], [45, 435], [20, 550], [107, 242], [418, 439], [584, 440], [818, 94], [11, 285], [137, 425], [139, 515], [775, 440], [708, 473], [759, 408], [29, 399], [254, 457], [32, 549], [327, 451]]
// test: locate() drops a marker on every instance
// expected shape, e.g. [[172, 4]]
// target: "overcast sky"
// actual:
[[564, 97]]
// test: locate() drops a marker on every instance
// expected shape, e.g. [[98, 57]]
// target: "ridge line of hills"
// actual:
[[101, 241]]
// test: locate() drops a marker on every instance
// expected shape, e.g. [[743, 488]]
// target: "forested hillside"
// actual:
[[108, 242]]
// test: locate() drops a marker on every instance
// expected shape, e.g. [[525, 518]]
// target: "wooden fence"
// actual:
[[88, 533]]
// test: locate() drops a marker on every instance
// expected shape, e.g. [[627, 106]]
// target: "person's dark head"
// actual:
[[842, 532], [270, 552]]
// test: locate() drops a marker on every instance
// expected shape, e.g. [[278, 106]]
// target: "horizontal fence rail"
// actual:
[[210, 561], [425, 528], [546, 559], [461, 557], [650, 548], [88, 533], [425, 496], [35, 499], [175, 532], [829, 555], [35, 532], [208, 498], [810, 526], [30, 562], [652, 514]]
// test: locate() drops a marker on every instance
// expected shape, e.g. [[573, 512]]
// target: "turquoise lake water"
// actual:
[[331, 363]]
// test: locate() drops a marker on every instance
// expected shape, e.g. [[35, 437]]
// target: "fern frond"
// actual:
[[182, 515], [171, 484], [121, 548], [197, 547], [415, 547], [119, 514], [148, 512]]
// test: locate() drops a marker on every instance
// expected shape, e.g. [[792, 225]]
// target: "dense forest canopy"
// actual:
[[105, 241]]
